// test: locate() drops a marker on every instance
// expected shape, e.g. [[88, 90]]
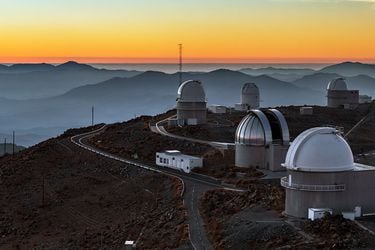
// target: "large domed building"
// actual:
[[321, 173], [249, 97], [191, 103], [262, 140], [338, 95]]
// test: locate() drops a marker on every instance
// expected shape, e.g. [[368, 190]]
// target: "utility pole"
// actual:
[[180, 63], [92, 116], [5, 146], [14, 141], [43, 188]]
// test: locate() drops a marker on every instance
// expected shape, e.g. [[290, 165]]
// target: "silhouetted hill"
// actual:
[[365, 84], [282, 74], [319, 81], [351, 69], [272, 70], [52, 80], [26, 67], [71, 65]]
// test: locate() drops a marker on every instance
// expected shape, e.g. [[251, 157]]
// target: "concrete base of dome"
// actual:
[[191, 113], [348, 99], [269, 158], [250, 156], [339, 191]]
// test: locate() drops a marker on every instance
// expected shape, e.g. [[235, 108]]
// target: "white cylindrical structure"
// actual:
[[191, 103], [250, 95]]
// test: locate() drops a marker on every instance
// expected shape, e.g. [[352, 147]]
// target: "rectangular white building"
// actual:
[[306, 110], [217, 109], [241, 107], [176, 160], [365, 99], [318, 213]]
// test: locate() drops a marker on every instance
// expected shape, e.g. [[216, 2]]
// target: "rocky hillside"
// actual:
[[56, 196]]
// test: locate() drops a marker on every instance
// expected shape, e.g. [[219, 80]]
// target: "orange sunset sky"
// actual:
[[231, 31]]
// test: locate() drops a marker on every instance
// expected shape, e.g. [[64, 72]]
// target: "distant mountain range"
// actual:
[[348, 69], [345, 69], [319, 81], [30, 81], [151, 92], [63, 95]]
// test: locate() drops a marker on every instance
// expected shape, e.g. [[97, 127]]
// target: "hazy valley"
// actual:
[[41, 101]]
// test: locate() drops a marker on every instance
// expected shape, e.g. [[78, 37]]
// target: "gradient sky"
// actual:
[[211, 30]]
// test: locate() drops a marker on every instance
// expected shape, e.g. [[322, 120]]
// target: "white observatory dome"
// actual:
[[250, 89], [191, 91], [337, 84], [250, 95], [320, 149], [254, 130]]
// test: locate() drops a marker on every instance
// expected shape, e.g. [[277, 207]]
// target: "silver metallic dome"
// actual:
[[279, 126], [261, 128], [191, 91], [254, 130], [337, 84]]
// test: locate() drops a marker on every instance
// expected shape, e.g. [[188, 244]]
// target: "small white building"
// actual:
[[318, 213], [130, 245], [365, 99], [217, 109], [306, 110], [176, 160]]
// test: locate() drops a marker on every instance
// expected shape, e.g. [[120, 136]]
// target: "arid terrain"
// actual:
[[57, 195], [254, 219], [88, 201]]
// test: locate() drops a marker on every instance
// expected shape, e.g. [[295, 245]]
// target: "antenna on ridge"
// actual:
[[180, 63]]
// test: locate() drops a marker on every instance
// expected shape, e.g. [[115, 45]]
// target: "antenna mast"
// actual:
[[14, 141], [180, 63], [92, 116]]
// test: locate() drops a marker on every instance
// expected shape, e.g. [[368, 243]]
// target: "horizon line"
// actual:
[[189, 60]]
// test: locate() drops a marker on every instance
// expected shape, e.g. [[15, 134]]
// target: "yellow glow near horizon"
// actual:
[[213, 31]]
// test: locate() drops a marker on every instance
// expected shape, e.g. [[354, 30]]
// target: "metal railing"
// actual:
[[314, 188]]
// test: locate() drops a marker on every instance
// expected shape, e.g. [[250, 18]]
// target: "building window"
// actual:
[[161, 160], [165, 160], [157, 156], [182, 159]]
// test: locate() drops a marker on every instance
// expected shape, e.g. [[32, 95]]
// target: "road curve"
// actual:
[[193, 187], [159, 128]]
